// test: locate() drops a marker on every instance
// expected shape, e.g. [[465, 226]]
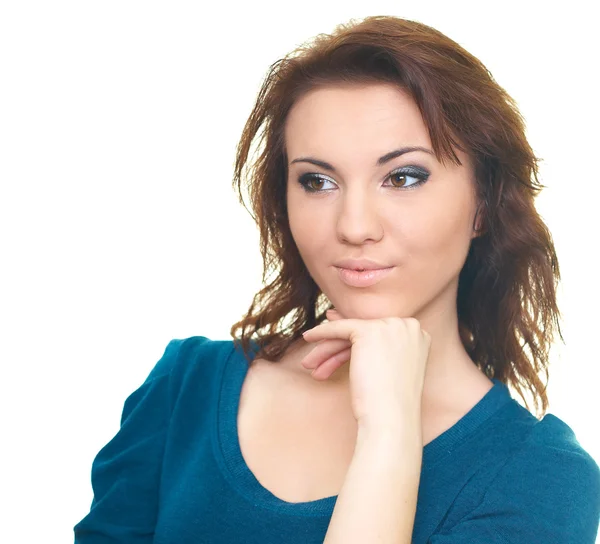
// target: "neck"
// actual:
[[449, 368]]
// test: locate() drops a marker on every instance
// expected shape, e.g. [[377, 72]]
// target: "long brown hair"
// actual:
[[506, 302]]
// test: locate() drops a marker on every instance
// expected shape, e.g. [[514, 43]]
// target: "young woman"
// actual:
[[394, 184]]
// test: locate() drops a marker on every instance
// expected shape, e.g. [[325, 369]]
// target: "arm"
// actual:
[[126, 471], [378, 500]]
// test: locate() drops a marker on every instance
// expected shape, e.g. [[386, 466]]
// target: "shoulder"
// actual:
[[551, 479], [561, 459], [537, 484], [195, 363], [553, 443], [188, 366], [551, 453], [184, 355]]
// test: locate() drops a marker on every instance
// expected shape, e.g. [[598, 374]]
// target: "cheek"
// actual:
[[440, 242], [314, 237], [308, 228]]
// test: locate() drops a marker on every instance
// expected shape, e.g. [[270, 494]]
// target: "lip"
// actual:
[[363, 264], [366, 278]]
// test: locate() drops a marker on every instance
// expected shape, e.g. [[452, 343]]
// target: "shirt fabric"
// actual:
[[174, 472]]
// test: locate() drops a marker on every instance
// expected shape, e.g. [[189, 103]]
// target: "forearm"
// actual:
[[378, 500]]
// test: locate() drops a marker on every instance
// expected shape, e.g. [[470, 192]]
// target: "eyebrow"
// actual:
[[380, 161]]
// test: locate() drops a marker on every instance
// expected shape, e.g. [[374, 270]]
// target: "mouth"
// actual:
[[356, 269], [363, 277]]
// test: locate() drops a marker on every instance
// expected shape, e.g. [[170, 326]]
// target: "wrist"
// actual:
[[392, 422], [399, 432]]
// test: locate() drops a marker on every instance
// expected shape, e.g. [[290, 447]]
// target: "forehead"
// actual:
[[355, 117]]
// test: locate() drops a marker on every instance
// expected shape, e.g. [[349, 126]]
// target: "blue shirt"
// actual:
[[174, 472]]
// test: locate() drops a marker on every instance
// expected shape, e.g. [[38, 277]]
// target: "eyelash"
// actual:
[[418, 173]]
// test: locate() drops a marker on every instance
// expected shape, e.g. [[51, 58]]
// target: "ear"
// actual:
[[478, 221]]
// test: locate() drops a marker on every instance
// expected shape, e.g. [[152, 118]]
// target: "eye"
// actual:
[[307, 179], [404, 175], [400, 178]]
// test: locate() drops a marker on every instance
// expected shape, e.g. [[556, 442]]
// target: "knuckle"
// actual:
[[413, 325], [413, 322]]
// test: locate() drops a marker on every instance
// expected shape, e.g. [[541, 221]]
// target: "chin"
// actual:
[[370, 306]]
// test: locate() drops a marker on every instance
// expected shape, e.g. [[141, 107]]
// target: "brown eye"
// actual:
[[315, 183], [408, 178], [400, 177], [312, 183]]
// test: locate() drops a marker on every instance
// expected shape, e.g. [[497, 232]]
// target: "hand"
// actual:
[[329, 354], [387, 359]]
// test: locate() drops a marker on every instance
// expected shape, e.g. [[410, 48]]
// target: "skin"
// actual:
[[424, 233]]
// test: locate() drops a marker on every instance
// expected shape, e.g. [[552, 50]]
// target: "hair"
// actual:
[[506, 301]]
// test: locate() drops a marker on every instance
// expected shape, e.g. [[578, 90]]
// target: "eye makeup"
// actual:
[[407, 172]]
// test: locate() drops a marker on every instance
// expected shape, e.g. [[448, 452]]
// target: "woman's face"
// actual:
[[360, 211]]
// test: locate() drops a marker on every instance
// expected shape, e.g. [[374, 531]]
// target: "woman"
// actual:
[[395, 184]]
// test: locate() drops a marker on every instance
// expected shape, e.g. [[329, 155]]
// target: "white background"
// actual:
[[119, 229]]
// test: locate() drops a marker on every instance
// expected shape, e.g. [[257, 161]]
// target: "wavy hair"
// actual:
[[506, 301]]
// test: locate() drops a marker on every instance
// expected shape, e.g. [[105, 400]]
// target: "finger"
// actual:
[[333, 314], [326, 369], [323, 351], [344, 329]]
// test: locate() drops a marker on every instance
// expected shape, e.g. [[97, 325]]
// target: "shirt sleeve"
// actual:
[[126, 471], [543, 494]]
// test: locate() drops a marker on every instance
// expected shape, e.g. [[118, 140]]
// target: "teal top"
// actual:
[[174, 471]]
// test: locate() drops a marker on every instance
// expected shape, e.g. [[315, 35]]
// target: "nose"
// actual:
[[358, 220]]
